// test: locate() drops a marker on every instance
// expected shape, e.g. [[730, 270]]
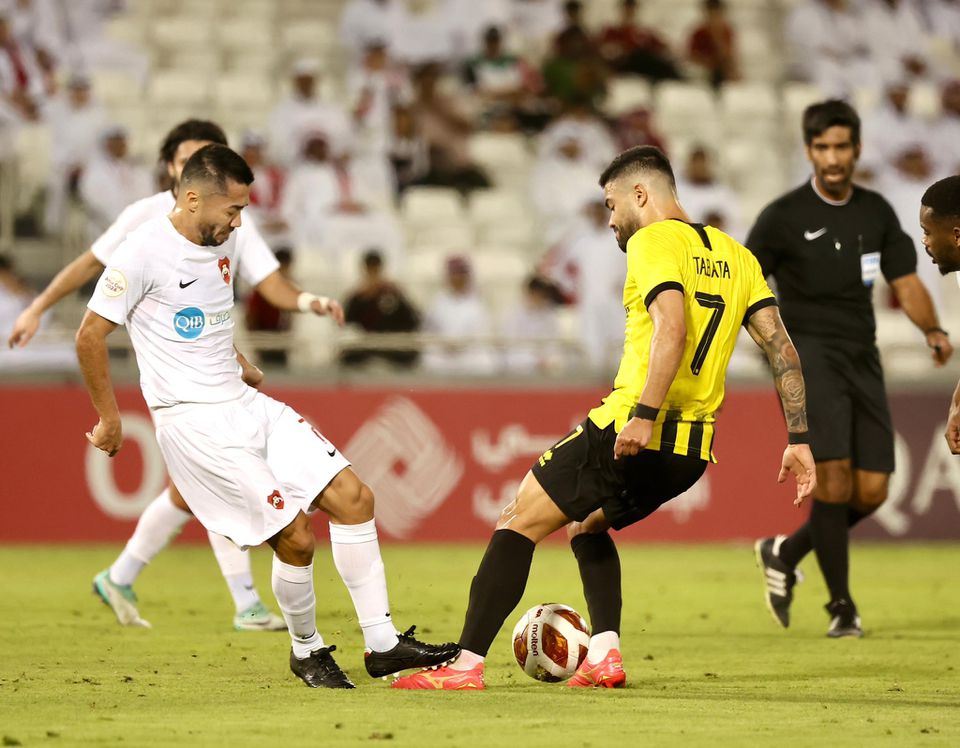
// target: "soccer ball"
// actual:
[[550, 641]]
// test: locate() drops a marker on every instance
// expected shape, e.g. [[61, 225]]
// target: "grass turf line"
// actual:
[[704, 661]]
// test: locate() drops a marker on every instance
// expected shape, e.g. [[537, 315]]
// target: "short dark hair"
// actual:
[[640, 158], [216, 163], [191, 129], [820, 117], [943, 197]]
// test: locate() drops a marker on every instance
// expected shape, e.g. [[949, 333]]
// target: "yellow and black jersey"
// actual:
[[722, 286]]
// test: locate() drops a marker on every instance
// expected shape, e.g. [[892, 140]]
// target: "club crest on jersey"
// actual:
[[275, 500], [224, 264], [189, 322]]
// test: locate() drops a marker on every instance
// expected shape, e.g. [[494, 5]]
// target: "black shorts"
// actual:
[[580, 475], [846, 402]]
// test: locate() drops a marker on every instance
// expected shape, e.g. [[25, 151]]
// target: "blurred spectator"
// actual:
[[575, 69], [22, 86], [536, 23], [378, 305], [629, 47], [505, 85], [373, 90], [943, 19], [945, 135], [111, 181], [468, 20], [895, 31], [38, 26], [636, 127], [445, 128], [903, 186], [889, 129], [304, 112], [459, 315], [590, 269], [713, 44], [530, 331], [409, 151], [364, 22], [826, 46], [76, 123], [705, 198], [563, 181], [422, 33], [262, 316], [581, 123], [15, 296], [89, 47], [330, 208], [266, 192]]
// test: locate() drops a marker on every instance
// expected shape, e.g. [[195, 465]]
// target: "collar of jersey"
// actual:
[[827, 200]]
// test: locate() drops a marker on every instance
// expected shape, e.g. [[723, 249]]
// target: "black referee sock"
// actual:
[[797, 546], [496, 588], [599, 565], [828, 527]]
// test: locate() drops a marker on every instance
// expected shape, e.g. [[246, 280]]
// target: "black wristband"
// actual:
[[798, 437], [646, 412], [936, 329]]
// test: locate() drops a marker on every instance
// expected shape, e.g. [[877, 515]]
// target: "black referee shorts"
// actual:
[[580, 475], [846, 402]]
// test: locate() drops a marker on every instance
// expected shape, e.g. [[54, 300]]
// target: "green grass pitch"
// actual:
[[705, 663]]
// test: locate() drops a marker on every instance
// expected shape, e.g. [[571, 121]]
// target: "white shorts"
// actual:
[[245, 467]]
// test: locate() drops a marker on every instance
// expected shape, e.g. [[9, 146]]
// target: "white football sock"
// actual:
[[467, 660], [235, 567], [293, 588], [356, 554], [157, 526], [601, 644]]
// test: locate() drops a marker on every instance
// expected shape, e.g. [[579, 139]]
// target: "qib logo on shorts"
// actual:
[[189, 322]]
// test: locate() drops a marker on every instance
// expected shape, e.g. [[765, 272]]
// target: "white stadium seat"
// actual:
[[178, 87], [114, 87], [626, 93], [244, 89], [687, 109], [424, 206], [177, 32], [245, 34]]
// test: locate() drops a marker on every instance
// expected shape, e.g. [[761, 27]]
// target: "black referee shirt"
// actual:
[[825, 257]]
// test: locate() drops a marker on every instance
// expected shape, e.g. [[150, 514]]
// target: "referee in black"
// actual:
[[825, 243]]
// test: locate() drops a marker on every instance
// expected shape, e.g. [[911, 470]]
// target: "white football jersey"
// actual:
[[176, 299], [254, 260]]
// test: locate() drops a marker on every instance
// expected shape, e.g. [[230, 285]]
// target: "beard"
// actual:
[[623, 232], [209, 237]]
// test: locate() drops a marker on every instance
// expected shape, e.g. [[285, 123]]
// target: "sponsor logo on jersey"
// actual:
[[114, 283], [811, 235], [224, 264], [275, 500], [189, 322]]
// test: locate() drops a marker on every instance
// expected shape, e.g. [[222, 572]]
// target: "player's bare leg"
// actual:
[[599, 565], [349, 503], [497, 586], [310, 660], [160, 523]]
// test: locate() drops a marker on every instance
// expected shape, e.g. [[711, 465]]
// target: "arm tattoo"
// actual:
[[766, 328]]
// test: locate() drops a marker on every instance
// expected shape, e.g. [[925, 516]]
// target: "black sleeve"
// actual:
[[763, 241], [898, 255]]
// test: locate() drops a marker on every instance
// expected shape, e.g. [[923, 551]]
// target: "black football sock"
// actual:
[[599, 565], [831, 539], [797, 546], [496, 588]]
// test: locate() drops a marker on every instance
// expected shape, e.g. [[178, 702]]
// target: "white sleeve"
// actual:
[[121, 286], [255, 261], [106, 244]]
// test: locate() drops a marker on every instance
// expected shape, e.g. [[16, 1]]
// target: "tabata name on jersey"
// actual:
[[712, 268]]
